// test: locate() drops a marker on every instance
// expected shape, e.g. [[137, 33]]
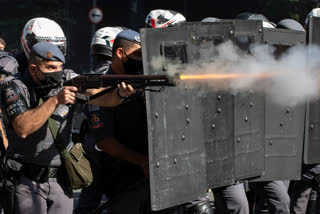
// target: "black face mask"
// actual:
[[49, 82], [51, 79], [132, 66]]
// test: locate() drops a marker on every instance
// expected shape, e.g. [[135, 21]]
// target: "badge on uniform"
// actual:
[[11, 95], [95, 121], [62, 111]]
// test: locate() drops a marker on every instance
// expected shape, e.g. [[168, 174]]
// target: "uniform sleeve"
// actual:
[[13, 102], [69, 74]]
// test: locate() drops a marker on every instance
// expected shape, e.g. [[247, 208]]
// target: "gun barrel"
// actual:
[[87, 81]]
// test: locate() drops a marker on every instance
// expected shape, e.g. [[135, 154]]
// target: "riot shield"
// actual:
[[219, 122], [182, 120], [284, 126], [312, 131], [249, 111], [246, 111]]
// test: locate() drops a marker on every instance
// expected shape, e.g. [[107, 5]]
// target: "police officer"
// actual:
[[270, 195], [301, 190], [232, 198], [40, 183], [31, 148], [36, 30], [8, 66], [124, 136], [101, 49]]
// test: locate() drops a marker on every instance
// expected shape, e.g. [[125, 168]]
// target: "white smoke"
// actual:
[[296, 77]]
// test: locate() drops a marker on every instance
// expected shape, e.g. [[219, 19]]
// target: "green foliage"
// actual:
[[277, 10]]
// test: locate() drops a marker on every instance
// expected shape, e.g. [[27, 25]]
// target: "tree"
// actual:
[[277, 10]]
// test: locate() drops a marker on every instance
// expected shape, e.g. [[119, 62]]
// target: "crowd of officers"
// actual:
[[113, 133]]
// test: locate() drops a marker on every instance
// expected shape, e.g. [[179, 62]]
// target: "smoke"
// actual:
[[288, 76]]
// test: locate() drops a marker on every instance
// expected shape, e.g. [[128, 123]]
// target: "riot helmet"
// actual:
[[163, 18], [42, 29], [210, 19], [290, 24], [313, 12], [254, 16], [102, 41]]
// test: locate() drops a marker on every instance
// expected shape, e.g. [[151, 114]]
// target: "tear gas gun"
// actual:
[[90, 81]]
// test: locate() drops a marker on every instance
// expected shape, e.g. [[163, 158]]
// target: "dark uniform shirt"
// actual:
[[128, 124], [18, 95], [94, 115]]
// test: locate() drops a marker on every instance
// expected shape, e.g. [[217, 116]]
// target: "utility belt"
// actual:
[[39, 173], [34, 172]]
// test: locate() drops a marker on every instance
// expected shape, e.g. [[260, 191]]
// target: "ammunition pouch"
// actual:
[[8, 174], [77, 167]]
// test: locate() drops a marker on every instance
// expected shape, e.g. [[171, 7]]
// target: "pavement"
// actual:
[[76, 194]]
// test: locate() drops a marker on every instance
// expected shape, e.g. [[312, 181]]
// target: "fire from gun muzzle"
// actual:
[[227, 76]]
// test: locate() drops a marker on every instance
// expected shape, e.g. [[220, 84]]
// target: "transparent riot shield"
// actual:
[[284, 126], [312, 131], [182, 121]]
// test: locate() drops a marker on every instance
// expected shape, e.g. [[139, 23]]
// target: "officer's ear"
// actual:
[[32, 69], [120, 53]]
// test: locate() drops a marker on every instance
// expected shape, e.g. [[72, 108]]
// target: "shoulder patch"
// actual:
[[12, 100], [10, 93], [95, 121]]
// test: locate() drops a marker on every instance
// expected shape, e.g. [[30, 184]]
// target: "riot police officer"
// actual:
[[300, 190], [101, 50], [36, 30], [31, 149], [28, 102], [8, 67], [271, 194], [124, 135], [232, 198]]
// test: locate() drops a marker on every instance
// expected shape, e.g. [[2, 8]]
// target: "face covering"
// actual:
[[132, 66], [49, 82], [51, 78]]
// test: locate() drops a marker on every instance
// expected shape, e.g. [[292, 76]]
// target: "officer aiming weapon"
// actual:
[[90, 81]]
